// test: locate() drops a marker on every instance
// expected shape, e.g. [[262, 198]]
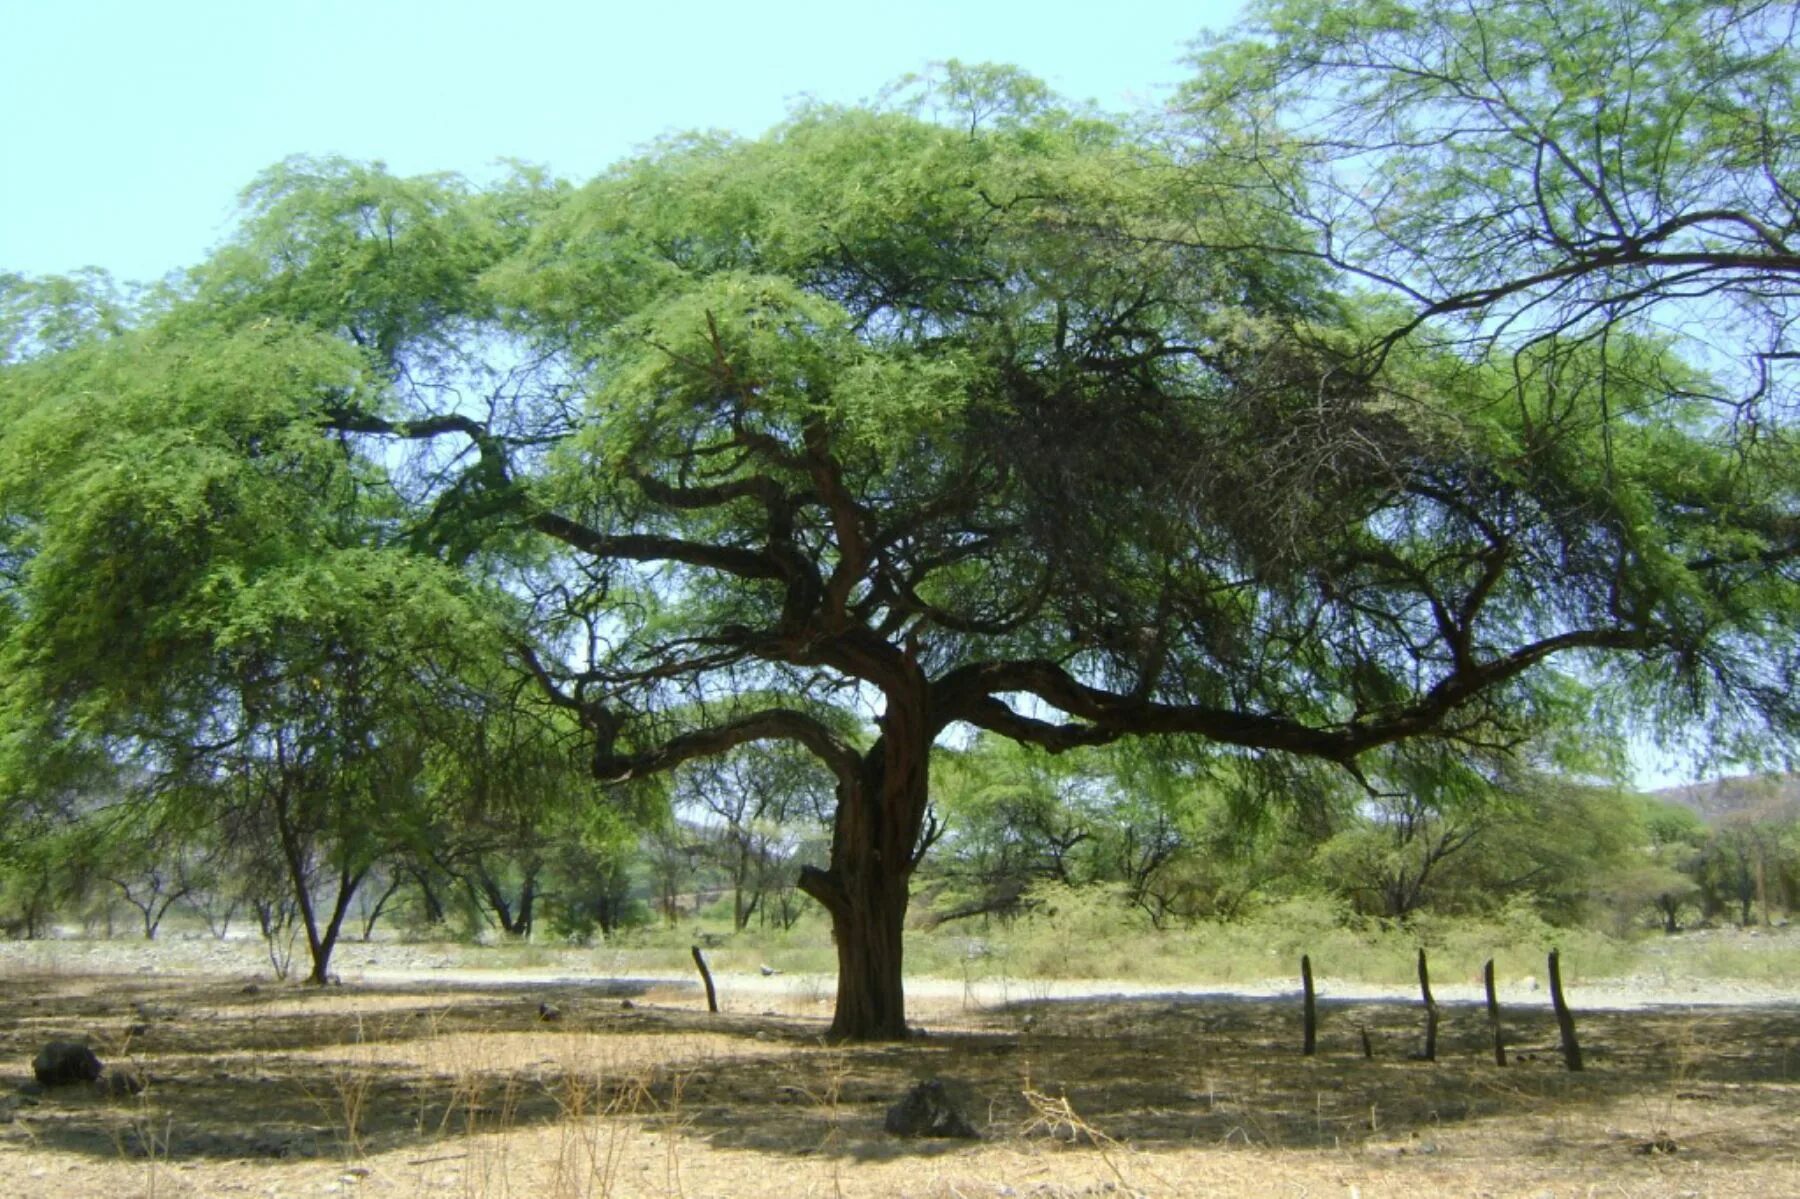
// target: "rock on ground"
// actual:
[[929, 1111], [63, 1063]]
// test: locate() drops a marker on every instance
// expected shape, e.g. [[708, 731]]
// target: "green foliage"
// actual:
[[57, 314], [590, 851], [348, 249], [1179, 838], [1527, 169]]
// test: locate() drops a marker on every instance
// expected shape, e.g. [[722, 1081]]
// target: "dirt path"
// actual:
[[449, 965]]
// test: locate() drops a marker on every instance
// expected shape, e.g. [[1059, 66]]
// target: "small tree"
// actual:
[[755, 805]]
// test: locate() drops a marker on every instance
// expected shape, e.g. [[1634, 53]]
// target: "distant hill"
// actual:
[[1749, 796]]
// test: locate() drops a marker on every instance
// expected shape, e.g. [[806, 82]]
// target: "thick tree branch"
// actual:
[[644, 547], [969, 694], [770, 724]]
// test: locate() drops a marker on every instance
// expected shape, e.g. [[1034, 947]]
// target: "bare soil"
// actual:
[[417, 1086]]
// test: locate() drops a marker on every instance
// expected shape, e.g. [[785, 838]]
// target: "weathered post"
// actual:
[[1309, 1013], [1429, 1051], [1493, 1013], [1564, 1021], [712, 997]]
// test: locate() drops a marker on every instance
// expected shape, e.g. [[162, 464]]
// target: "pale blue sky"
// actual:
[[130, 125]]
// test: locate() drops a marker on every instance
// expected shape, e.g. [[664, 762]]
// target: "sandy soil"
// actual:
[[422, 1076]]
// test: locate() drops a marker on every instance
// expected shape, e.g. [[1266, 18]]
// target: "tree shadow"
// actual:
[[289, 1073]]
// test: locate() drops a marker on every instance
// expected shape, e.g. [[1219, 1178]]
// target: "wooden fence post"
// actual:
[[712, 996], [1493, 1013], [1310, 1013], [1564, 1021], [1431, 1010]]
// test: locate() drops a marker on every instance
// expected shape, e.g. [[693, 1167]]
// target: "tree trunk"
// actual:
[[295, 854], [740, 881], [374, 914], [527, 905], [1762, 886], [434, 903], [867, 926], [873, 853]]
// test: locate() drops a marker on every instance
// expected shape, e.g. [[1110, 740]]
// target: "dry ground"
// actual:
[[461, 1090]]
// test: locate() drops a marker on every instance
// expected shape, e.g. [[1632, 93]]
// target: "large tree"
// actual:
[[959, 414]]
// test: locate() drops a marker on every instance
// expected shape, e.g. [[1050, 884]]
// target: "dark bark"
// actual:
[[1493, 1013], [429, 899], [1309, 1012], [380, 906], [1565, 1020], [1429, 1051], [867, 923], [875, 848], [152, 907], [712, 996], [320, 942], [515, 919]]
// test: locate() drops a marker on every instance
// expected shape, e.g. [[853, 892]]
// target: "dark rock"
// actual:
[[278, 1143], [120, 1084], [549, 1011], [929, 1111], [625, 1005], [62, 1063]]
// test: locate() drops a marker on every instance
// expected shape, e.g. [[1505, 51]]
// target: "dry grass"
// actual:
[[464, 1092]]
